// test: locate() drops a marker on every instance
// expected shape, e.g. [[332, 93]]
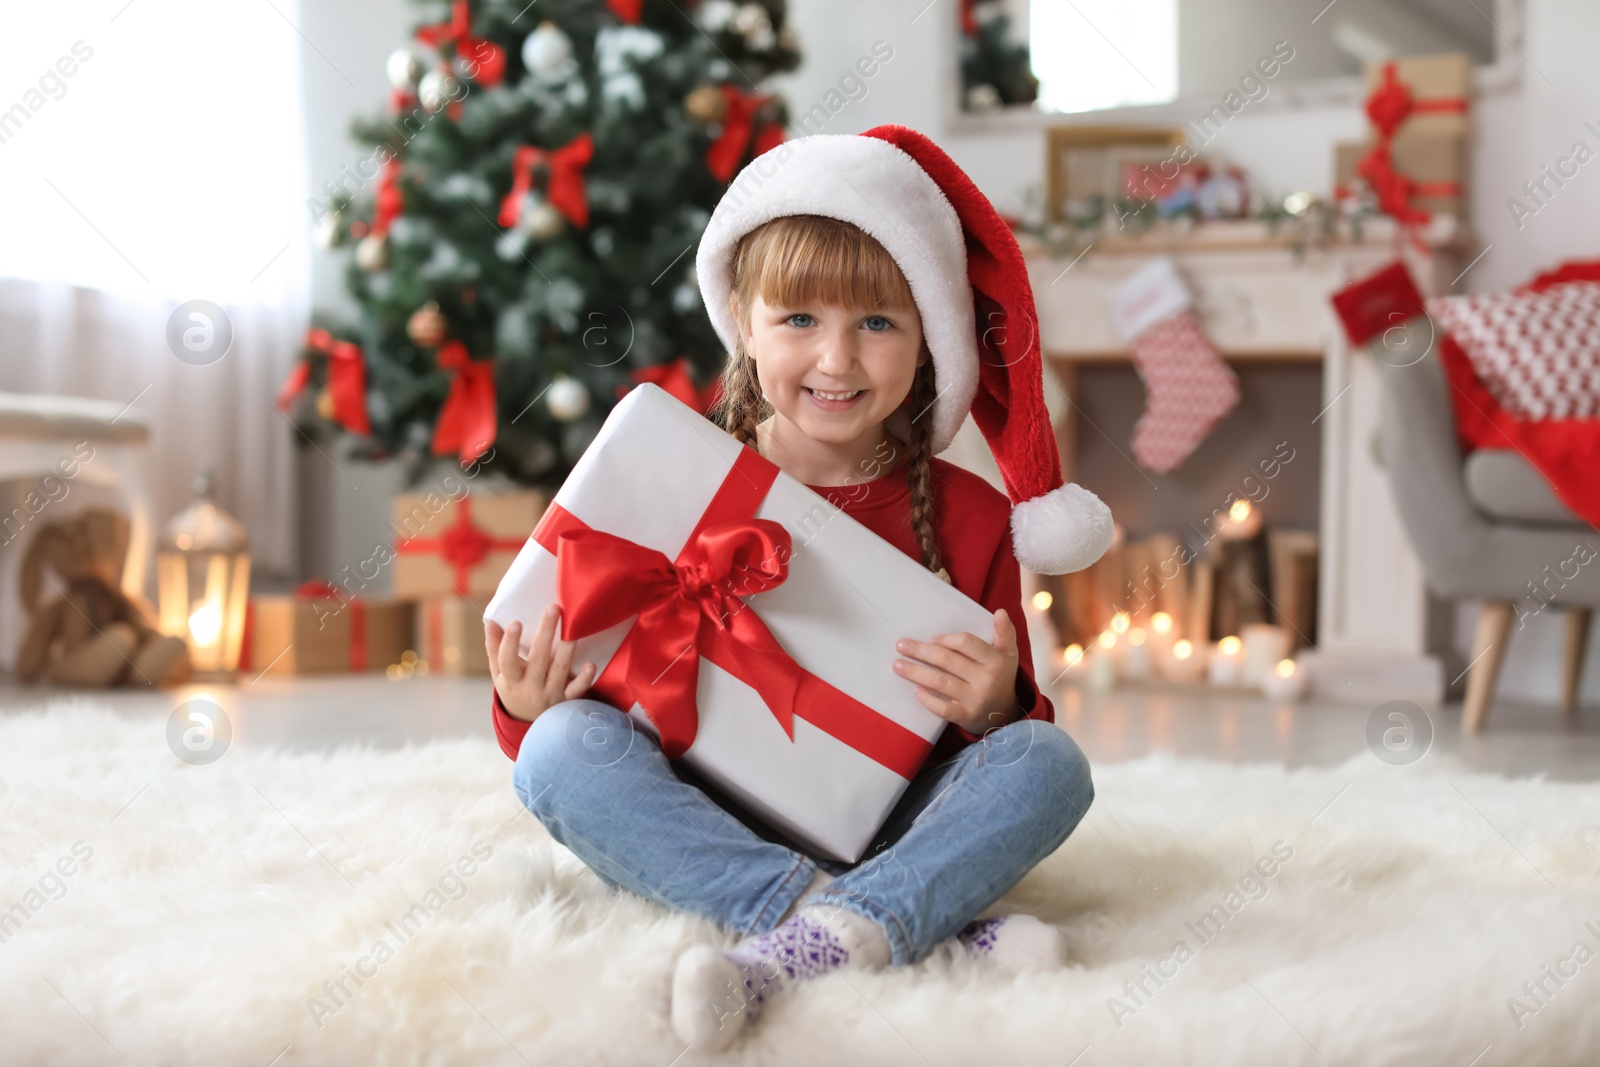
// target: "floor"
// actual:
[[330, 711]]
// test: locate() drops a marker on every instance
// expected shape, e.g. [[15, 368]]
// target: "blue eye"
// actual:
[[800, 318], [876, 323]]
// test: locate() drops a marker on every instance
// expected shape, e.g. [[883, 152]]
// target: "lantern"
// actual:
[[203, 578]]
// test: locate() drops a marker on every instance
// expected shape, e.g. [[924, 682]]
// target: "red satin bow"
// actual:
[[463, 545], [738, 126], [1388, 107], [466, 423], [389, 202], [564, 188], [626, 10], [688, 609], [674, 378], [488, 58], [347, 381]]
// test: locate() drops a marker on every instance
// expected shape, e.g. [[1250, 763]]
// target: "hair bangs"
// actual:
[[807, 260]]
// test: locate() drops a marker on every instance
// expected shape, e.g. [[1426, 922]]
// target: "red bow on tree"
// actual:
[[626, 10], [487, 60], [969, 18], [466, 425], [674, 378], [389, 202], [347, 381], [564, 185], [738, 127]]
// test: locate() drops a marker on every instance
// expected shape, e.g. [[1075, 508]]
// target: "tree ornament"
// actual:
[[715, 15], [751, 19], [329, 228], [540, 220], [325, 405], [706, 104], [439, 87], [427, 325], [568, 399], [547, 53], [405, 68], [372, 252], [983, 98]]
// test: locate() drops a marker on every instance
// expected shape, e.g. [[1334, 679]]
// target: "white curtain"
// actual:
[[152, 153]]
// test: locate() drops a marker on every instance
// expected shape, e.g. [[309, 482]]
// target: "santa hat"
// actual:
[[971, 286]]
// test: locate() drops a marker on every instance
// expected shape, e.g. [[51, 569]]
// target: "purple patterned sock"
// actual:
[[1015, 943]]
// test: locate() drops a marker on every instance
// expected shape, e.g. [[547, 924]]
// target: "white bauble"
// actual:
[[983, 98], [329, 228], [405, 68], [372, 252], [540, 221], [547, 53], [567, 398], [752, 18], [439, 87], [716, 14]]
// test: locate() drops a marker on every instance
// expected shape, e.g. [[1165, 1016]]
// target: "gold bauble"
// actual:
[[706, 104], [325, 405], [427, 326]]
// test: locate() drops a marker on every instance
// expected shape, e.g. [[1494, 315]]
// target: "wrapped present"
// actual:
[[450, 636], [1415, 162], [742, 619], [459, 548], [322, 630]]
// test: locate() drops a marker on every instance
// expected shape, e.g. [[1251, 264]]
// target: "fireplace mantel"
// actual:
[[1269, 299]]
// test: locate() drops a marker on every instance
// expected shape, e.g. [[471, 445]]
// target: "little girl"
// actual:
[[870, 297]]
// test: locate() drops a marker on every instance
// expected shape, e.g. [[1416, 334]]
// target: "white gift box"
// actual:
[[649, 477]]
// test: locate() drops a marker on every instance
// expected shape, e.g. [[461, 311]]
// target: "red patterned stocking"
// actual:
[[1188, 387]]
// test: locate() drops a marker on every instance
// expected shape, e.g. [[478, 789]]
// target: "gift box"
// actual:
[[1438, 166], [319, 630], [1438, 88], [742, 619], [459, 548], [450, 636]]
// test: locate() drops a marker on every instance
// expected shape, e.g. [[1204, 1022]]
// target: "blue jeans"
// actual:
[[965, 831]]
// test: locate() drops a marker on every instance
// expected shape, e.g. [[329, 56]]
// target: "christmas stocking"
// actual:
[[1188, 388]]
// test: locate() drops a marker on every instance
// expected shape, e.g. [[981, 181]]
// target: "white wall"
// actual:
[[1283, 150]]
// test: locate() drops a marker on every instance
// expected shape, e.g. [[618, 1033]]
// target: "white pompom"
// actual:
[[1063, 531]]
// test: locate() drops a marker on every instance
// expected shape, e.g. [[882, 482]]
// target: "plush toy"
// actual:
[[91, 633]]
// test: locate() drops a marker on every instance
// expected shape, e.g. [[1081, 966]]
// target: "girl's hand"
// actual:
[[528, 687], [964, 679]]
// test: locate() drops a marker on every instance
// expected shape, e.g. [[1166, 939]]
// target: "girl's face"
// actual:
[[869, 355]]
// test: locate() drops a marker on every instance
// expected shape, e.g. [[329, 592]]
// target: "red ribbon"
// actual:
[[463, 544], [738, 128], [1378, 303], [688, 608], [347, 381], [969, 18], [389, 201], [488, 58], [466, 423], [626, 10], [317, 589], [1390, 104], [564, 187], [674, 378]]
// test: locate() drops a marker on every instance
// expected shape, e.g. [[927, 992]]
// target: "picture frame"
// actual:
[[1084, 164]]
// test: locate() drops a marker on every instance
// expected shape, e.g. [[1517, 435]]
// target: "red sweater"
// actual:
[[972, 523]]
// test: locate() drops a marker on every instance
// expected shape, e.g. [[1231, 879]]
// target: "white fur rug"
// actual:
[[216, 901]]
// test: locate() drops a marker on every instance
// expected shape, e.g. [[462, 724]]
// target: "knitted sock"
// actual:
[[1014, 943], [716, 995]]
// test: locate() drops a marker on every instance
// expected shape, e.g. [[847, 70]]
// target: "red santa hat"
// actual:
[[971, 287]]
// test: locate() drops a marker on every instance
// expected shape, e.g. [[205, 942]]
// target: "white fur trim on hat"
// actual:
[[1063, 531], [875, 186]]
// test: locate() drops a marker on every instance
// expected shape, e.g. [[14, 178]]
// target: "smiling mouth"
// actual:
[[835, 397]]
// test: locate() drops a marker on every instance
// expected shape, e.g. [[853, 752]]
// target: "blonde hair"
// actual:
[[796, 260]]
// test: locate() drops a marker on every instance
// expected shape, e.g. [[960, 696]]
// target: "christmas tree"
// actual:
[[995, 70], [524, 230]]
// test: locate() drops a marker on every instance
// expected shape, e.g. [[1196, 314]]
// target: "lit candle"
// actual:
[[1161, 635], [1243, 522], [1186, 663], [1223, 669], [1264, 647], [1286, 681]]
